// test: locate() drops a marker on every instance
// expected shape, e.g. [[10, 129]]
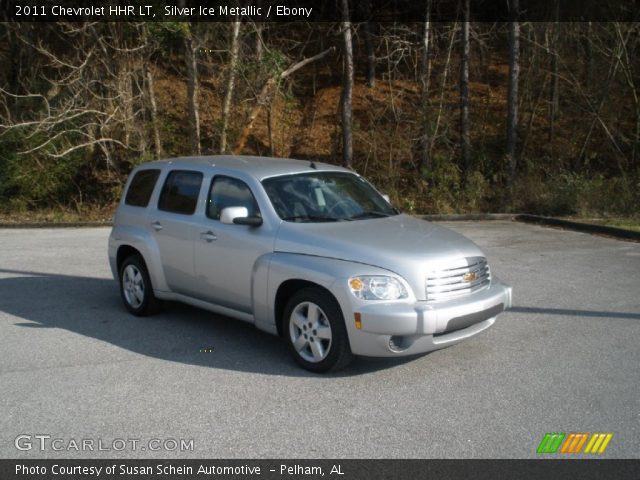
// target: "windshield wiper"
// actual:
[[312, 218], [369, 214]]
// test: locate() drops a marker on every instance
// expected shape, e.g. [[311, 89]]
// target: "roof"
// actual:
[[259, 167]]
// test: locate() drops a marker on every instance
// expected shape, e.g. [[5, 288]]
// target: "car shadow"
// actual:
[[179, 333], [576, 313]]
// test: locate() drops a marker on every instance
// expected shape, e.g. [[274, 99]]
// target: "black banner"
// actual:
[[317, 469], [317, 11]]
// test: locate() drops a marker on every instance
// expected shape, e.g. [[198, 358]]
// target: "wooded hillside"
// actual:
[[445, 117]]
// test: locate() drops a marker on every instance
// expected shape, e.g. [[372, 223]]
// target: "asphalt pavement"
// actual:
[[76, 367]]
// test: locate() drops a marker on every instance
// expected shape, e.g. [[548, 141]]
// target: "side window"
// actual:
[[180, 192], [230, 192], [141, 187]]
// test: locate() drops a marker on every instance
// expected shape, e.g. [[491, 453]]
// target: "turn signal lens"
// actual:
[[356, 284]]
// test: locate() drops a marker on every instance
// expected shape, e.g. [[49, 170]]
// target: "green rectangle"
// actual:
[[551, 442]]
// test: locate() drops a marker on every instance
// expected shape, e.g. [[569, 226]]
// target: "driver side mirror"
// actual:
[[386, 197], [239, 216]]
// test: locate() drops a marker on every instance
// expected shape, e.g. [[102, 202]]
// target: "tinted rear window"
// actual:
[[180, 192], [141, 188]]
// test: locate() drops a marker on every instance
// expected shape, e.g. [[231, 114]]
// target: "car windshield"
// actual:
[[325, 197]]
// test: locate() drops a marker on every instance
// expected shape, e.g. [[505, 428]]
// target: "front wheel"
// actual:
[[315, 331]]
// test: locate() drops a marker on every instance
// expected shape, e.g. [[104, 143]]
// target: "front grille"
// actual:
[[448, 283]]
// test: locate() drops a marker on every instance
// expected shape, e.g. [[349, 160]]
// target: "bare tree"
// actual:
[[615, 55], [347, 88], [263, 98], [553, 101], [424, 158], [88, 100], [191, 60], [512, 96], [464, 91], [368, 42], [154, 110], [631, 79], [233, 65]]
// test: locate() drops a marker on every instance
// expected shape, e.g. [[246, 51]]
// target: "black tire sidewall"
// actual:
[[339, 351], [138, 262]]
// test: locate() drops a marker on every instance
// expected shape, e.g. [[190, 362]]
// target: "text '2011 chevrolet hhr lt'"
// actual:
[[308, 251]]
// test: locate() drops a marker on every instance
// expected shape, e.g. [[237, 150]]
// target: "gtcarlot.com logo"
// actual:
[[44, 442], [593, 443]]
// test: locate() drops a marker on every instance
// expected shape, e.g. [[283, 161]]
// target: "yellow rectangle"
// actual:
[[598, 442], [591, 442], [605, 443]]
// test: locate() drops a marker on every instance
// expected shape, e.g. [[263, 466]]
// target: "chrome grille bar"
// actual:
[[448, 283]]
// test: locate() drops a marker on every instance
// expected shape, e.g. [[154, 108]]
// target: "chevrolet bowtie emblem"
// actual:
[[469, 277]]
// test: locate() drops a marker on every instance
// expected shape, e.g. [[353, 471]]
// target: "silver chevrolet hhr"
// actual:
[[305, 250]]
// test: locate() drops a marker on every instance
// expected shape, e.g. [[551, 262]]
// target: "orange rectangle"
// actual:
[[567, 442], [583, 439]]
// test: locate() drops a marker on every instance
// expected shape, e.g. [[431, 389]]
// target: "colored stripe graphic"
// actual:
[[550, 442], [574, 443], [598, 443]]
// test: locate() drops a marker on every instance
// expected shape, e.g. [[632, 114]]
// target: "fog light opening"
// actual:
[[397, 343]]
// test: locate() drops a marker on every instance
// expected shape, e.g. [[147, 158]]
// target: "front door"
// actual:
[[226, 254]]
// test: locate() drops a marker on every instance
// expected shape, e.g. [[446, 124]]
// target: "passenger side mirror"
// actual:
[[239, 216]]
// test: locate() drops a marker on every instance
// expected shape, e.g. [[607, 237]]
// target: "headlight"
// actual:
[[377, 288]]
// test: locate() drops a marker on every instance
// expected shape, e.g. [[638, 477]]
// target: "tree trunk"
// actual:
[[259, 45], [464, 93], [424, 159], [235, 47], [154, 111], [347, 87], [192, 94], [368, 41], [259, 42], [425, 59], [553, 110], [512, 99], [589, 48]]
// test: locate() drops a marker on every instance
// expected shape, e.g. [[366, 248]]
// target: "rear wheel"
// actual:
[[315, 331], [135, 287]]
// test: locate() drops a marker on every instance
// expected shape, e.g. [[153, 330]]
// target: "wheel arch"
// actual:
[[128, 240], [285, 291], [124, 252]]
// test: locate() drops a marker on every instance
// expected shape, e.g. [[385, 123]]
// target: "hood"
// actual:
[[402, 244]]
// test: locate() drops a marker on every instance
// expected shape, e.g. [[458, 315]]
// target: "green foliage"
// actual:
[[573, 194], [274, 61], [35, 180]]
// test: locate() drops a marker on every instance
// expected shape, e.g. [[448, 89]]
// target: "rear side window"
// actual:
[[141, 187], [180, 192]]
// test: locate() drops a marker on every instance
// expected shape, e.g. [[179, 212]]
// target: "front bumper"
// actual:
[[400, 329]]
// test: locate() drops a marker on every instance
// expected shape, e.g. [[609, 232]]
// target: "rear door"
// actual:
[[174, 224]]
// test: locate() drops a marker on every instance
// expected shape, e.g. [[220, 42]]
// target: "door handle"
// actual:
[[209, 236], [157, 226]]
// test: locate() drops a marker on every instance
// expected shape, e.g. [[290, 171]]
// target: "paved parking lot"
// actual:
[[74, 365]]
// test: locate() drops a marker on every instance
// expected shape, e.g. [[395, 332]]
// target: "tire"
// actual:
[[314, 329], [135, 287]]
